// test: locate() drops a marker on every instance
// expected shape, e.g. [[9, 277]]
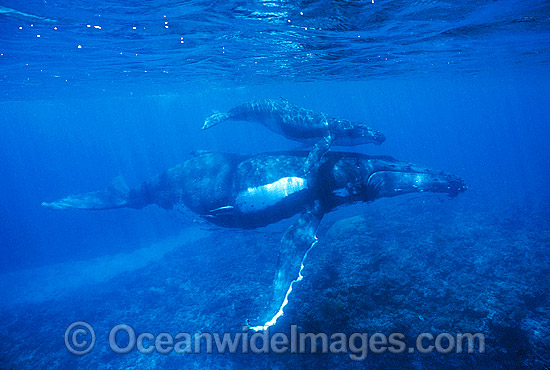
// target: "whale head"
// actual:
[[354, 177], [348, 133]]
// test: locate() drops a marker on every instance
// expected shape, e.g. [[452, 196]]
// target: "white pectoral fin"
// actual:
[[259, 198], [293, 249]]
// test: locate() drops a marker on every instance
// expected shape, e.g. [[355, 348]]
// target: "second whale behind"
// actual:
[[301, 124]]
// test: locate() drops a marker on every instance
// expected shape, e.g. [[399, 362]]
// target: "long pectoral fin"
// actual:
[[317, 152], [294, 245]]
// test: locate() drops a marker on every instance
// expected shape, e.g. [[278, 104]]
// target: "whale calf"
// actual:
[[301, 124]]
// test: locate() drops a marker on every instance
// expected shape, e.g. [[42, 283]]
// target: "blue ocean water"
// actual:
[[95, 90]]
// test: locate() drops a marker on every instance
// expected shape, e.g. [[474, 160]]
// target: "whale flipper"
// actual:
[[317, 152], [293, 248], [214, 119]]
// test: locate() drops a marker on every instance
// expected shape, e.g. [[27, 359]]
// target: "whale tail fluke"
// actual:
[[214, 119], [115, 196]]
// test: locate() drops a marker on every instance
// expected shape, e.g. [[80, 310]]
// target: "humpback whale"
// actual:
[[301, 124], [249, 191]]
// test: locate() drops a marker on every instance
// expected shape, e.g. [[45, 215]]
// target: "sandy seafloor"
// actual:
[[411, 264]]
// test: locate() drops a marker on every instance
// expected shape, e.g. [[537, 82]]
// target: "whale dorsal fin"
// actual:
[[118, 186]]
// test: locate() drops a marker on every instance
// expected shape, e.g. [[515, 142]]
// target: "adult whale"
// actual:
[[301, 124], [256, 190]]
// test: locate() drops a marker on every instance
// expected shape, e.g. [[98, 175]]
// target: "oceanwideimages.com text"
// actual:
[[80, 339]]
